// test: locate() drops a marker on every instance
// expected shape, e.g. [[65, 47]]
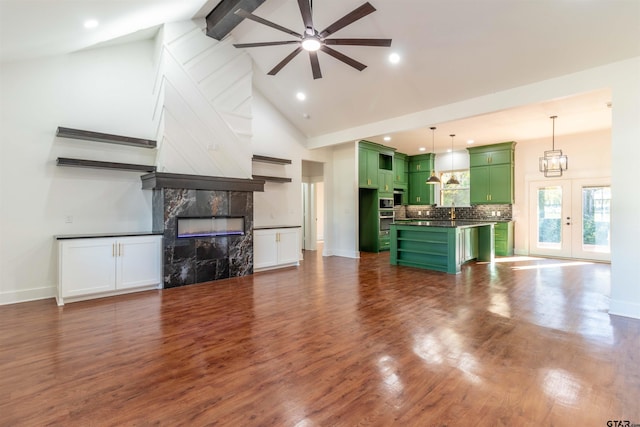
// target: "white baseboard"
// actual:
[[624, 308], [24, 295], [342, 253]]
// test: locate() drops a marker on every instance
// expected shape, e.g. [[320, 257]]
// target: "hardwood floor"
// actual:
[[334, 342]]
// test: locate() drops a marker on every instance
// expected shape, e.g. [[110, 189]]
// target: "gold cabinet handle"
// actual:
[[113, 249]]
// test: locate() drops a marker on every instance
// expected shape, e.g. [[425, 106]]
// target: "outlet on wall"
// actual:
[[68, 219]]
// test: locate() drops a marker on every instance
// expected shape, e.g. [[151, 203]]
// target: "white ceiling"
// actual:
[[451, 51]]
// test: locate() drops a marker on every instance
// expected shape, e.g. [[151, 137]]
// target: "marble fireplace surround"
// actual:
[[202, 259]]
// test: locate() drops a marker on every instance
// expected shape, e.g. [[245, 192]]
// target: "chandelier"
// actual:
[[554, 162]]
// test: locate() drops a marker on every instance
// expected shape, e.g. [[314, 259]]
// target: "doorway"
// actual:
[[570, 218], [312, 204]]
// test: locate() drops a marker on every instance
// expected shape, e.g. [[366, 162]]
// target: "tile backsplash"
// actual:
[[479, 212]]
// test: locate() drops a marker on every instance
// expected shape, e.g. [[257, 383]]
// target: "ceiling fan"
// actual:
[[313, 40]]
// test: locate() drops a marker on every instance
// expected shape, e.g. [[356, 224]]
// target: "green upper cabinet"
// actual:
[[420, 193], [420, 166], [421, 163], [385, 183], [375, 166], [491, 173], [367, 167], [400, 170]]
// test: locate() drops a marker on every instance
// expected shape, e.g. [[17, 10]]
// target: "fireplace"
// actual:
[[207, 225]]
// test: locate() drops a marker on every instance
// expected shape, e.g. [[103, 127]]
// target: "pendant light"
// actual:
[[433, 179], [553, 162], [452, 180]]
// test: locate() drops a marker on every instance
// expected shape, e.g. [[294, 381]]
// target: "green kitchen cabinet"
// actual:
[[421, 163], [385, 183], [420, 166], [367, 167], [420, 193], [491, 174], [503, 238], [400, 170]]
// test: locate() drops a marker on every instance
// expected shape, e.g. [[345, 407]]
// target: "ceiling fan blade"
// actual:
[[344, 58], [284, 62], [244, 14], [354, 15], [266, 43], [359, 42], [315, 65], [305, 11]]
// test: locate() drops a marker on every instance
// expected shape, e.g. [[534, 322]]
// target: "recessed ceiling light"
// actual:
[[90, 23], [422, 149], [387, 138], [394, 58], [301, 96], [470, 141]]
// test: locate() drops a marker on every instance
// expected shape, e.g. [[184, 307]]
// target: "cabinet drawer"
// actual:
[[501, 248]]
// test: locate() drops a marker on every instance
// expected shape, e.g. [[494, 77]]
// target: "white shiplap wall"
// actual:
[[203, 97]]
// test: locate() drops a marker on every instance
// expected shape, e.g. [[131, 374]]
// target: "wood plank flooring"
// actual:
[[335, 342]]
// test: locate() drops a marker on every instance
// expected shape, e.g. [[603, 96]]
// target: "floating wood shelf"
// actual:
[[271, 178], [104, 137], [266, 159], [95, 164]]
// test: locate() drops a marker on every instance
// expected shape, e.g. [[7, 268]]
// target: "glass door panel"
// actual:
[[549, 217], [593, 241], [570, 218]]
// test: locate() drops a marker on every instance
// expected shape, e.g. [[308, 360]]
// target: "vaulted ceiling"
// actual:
[[449, 51]]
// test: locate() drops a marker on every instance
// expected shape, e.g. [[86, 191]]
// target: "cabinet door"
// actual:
[[367, 168], [501, 184], [265, 249], [288, 246], [420, 193], [400, 171], [138, 261], [87, 266], [479, 179], [385, 182]]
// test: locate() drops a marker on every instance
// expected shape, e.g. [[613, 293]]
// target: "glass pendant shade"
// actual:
[[452, 180], [553, 163], [433, 179]]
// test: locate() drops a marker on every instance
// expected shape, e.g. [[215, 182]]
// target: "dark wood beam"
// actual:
[[159, 180], [221, 20]]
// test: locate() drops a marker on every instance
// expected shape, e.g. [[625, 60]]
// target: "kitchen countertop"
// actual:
[[444, 223], [271, 227], [100, 235]]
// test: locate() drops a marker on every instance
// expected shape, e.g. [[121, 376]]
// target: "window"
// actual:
[[455, 195]]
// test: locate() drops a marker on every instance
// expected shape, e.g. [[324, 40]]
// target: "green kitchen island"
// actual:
[[441, 245]]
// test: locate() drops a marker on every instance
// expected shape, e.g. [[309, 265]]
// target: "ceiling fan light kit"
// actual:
[[313, 41]]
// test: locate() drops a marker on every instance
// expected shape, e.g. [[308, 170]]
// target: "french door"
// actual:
[[570, 218]]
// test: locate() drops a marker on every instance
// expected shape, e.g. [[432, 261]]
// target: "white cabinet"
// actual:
[[95, 267], [275, 248]]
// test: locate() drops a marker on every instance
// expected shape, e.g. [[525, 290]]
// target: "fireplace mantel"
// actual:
[[160, 180]]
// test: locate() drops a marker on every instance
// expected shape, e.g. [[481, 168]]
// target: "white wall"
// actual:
[[341, 227], [105, 90], [589, 157], [273, 136]]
